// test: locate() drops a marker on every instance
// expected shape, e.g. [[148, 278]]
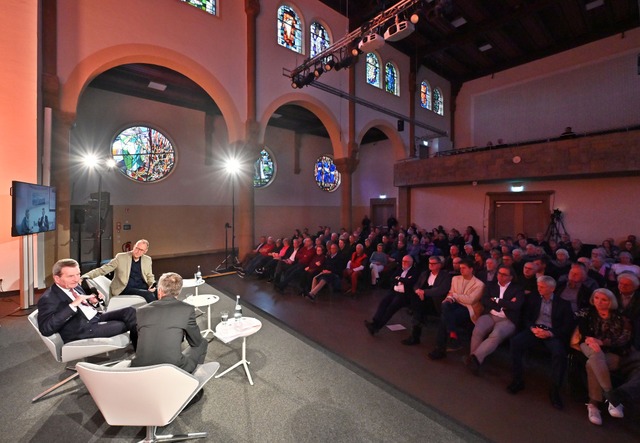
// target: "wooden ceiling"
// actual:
[[460, 40]]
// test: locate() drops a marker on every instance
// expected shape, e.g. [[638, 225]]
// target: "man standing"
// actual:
[[502, 303], [398, 296], [132, 273], [548, 319], [162, 326], [64, 308], [431, 288]]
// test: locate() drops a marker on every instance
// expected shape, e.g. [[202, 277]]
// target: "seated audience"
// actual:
[[294, 271], [548, 320], [461, 307], [488, 274], [355, 267], [604, 337], [428, 292], [561, 265], [398, 297], [259, 259], [529, 280], [502, 304], [377, 263], [610, 250], [268, 270], [628, 298], [331, 273], [254, 252], [625, 265], [285, 263], [575, 289], [314, 267]]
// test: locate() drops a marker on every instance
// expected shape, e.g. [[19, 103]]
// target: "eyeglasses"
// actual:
[[504, 274]]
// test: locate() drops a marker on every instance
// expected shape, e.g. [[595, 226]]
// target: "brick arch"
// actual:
[[318, 108], [95, 64], [390, 131]]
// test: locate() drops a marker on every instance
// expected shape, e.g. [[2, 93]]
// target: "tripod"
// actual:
[[553, 230], [230, 261]]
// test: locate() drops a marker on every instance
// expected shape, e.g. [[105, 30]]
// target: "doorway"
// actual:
[[511, 213], [380, 210]]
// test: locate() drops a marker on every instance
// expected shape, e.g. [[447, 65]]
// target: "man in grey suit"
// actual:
[[162, 326], [132, 274]]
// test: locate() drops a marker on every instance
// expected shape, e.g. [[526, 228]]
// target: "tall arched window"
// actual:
[[320, 39], [438, 102], [289, 29], [373, 70], [143, 154], [425, 94], [391, 79]]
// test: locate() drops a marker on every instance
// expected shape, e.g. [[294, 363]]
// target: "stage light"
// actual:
[[318, 71], [415, 18], [329, 64]]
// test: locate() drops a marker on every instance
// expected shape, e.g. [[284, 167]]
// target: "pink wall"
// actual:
[[18, 129]]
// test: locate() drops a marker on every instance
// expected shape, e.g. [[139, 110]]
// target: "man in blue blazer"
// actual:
[[64, 308]]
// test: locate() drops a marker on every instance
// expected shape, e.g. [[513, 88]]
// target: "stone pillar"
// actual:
[[346, 167]]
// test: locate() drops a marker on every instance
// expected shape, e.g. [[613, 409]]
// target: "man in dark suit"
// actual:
[[429, 292], [162, 326], [64, 308], [398, 297], [548, 320], [502, 304]]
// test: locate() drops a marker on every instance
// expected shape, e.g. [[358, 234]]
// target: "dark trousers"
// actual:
[[194, 356], [454, 316], [148, 295], [110, 323], [388, 306], [525, 340]]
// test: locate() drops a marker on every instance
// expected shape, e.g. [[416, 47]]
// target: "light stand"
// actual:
[[94, 162], [231, 262]]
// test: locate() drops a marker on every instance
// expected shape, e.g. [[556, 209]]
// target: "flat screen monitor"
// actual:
[[34, 208]]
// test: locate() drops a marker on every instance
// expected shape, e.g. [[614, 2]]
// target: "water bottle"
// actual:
[[198, 275], [237, 313]]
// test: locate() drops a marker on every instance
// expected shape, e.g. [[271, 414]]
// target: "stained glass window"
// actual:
[[391, 79], [205, 5], [143, 154], [425, 95], [320, 39], [438, 103], [373, 70], [326, 174], [264, 170], [289, 29]]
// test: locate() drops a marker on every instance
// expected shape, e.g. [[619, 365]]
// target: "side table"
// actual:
[[200, 301], [233, 329]]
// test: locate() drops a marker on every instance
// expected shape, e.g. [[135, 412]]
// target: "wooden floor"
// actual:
[[481, 403]]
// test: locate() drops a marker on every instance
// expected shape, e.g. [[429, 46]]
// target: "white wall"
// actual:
[[593, 209]]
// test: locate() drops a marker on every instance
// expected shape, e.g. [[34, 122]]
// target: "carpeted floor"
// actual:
[[301, 394]]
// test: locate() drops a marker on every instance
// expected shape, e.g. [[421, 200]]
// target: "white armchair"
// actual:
[[148, 396], [102, 284], [75, 350]]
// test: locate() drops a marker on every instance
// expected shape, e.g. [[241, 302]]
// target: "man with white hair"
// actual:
[[628, 297]]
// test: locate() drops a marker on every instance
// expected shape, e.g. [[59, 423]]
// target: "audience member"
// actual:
[[314, 267], [398, 297], [428, 293], [604, 337], [502, 304], [331, 273], [377, 263], [355, 267], [488, 274], [628, 298], [574, 289], [132, 273], [460, 307], [548, 320], [261, 257]]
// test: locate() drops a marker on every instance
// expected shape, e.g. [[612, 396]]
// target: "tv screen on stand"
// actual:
[[34, 208]]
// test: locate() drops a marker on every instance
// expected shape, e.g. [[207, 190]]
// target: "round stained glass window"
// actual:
[[326, 174], [143, 154], [264, 170]]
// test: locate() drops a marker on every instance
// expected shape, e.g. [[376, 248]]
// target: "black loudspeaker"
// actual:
[[400, 125]]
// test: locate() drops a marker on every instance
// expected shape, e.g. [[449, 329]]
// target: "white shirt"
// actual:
[[88, 310]]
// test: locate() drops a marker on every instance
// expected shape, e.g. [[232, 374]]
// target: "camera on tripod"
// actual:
[[556, 215]]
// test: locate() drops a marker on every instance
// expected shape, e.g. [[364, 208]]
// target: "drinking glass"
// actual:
[[224, 315]]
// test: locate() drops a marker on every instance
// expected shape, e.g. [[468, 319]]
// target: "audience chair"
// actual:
[[148, 396], [102, 284], [75, 350]]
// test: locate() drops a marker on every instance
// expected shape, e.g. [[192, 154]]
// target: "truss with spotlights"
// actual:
[[344, 53]]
